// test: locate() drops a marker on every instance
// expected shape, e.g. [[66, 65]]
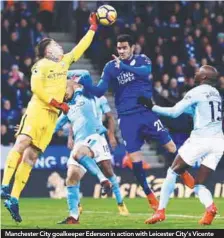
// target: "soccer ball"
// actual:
[[106, 15]]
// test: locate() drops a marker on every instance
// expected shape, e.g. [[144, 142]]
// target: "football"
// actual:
[[106, 15]]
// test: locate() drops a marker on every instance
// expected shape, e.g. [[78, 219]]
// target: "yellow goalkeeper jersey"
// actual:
[[48, 78]]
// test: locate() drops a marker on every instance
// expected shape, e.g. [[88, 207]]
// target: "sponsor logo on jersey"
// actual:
[[57, 75], [125, 77]]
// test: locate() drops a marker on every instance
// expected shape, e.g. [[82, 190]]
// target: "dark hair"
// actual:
[[125, 38], [41, 47]]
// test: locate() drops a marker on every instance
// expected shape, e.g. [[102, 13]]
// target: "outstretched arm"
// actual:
[[75, 54], [176, 110], [143, 70], [99, 89]]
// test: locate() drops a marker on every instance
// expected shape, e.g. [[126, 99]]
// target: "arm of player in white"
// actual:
[[62, 120], [175, 111]]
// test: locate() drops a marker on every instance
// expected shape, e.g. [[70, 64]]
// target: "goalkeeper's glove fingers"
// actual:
[[61, 106], [146, 102], [93, 21]]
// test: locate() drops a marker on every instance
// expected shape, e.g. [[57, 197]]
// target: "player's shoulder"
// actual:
[[143, 57], [110, 63], [103, 99], [40, 64]]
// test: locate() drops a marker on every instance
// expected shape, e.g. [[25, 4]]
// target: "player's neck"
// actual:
[[53, 58], [129, 58]]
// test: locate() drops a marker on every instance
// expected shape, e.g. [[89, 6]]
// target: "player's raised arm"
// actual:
[[143, 70], [85, 42]]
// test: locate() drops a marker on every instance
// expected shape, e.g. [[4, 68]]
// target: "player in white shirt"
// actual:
[[206, 142]]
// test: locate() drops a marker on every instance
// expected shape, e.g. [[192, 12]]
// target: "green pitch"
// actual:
[[102, 213]]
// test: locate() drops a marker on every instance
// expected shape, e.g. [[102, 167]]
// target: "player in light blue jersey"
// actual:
[[89, 143], [101, 108], [206, 142]]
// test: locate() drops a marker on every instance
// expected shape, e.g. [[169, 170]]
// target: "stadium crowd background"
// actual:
[[178, 37]]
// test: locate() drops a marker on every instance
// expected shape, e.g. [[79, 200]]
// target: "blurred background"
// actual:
[[178, 37]]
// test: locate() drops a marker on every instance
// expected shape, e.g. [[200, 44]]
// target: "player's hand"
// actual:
[[93, 21], [113, 141], [117, 61], [70, 143], [61, 106], [146, 102]]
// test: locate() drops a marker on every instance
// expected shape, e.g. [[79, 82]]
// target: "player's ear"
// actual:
[[133, 48]]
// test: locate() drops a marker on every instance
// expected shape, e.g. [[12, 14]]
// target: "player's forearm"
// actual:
[[70, 134], [97, 90], [83, 45], [62, 120], [173, 112], [143, 70], [111, 124]]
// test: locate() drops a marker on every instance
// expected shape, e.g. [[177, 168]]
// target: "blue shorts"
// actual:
[[138, 127]]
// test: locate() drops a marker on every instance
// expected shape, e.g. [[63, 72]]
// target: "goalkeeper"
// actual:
[[48, 84]]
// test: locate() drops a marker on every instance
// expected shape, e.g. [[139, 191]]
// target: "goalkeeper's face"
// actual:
[[55, 50], [124, 50]]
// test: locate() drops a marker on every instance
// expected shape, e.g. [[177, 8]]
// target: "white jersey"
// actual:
[[204, 103]]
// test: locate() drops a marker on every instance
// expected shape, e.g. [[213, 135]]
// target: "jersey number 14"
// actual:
[[216, 112]]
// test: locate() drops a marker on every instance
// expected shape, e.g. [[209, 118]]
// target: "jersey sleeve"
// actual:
[[99, 89], [37, 83], [75, 54], [62, 120], [104, 105], [179, 108], [144, 69]]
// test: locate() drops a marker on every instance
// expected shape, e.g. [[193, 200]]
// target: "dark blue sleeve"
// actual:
[[143, 70], [99, 89]]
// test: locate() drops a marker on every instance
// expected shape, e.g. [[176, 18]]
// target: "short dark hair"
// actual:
[[41, 47], [125, 38]]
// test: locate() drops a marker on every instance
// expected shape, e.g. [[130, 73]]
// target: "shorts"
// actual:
[[206, 151], [39, 124], [98, 145], [142, 126]]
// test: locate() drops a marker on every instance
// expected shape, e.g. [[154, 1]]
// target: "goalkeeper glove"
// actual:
[[93, 21], [61, 106], [146, 102]]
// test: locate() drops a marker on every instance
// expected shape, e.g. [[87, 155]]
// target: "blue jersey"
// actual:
[[128, 82], [83, 117]]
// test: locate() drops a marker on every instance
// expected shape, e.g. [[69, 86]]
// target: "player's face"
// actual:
[[55, 50], [125, 51]]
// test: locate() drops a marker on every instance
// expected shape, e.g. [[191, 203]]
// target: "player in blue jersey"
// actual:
[[128, 75], [205, 145], [101, 108]]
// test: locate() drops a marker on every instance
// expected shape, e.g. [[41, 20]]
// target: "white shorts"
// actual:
[[72, 161], [98, 145], [207, 151]]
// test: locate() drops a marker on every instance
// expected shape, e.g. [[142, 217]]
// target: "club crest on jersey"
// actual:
[[133, 62], [63, 64]]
